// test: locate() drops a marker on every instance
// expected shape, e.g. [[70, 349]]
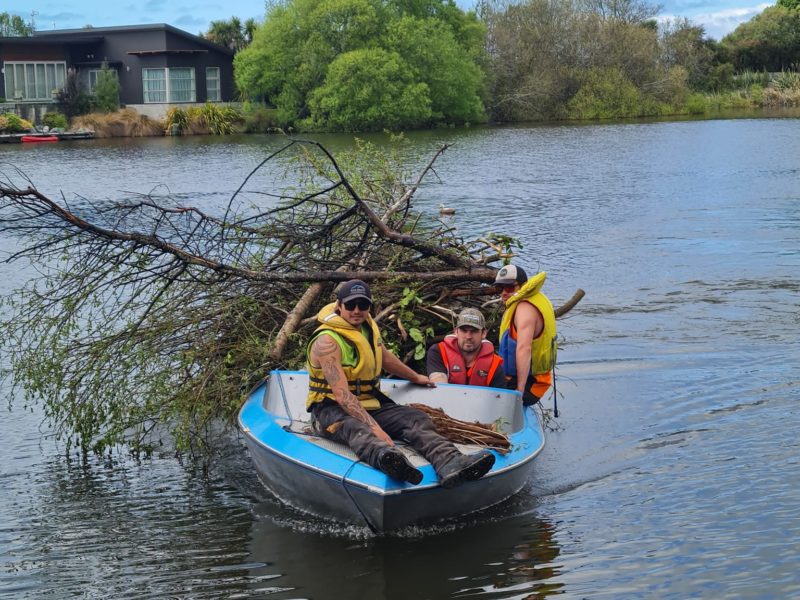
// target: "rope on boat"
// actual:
[[353, 500], [285, 401]]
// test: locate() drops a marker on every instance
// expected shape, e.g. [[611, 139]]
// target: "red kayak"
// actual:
[[39, 138]]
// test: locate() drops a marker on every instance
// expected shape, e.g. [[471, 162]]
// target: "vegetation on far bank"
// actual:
[[361, 65]]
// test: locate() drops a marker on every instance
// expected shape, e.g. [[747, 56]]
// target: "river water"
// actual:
[[675, 468]]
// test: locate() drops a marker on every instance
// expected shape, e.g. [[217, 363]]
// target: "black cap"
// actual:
[[353, 289]]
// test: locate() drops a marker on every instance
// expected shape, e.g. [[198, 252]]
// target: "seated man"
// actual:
[[345, 358], [465, 356]]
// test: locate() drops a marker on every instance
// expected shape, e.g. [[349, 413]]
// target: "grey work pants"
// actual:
[[400, 422]]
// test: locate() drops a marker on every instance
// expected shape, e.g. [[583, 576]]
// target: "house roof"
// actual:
[[96, 34]]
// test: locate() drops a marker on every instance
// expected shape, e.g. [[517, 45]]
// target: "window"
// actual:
[[168, 85], [155, 85], [34, 80], [213, 93]]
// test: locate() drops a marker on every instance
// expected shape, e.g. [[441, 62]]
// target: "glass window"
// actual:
[[169, 85], [181, 85], [30, 81], [42, 91], [93, 80], [33, 80], [213, 93], [9, 83], [155, 85]]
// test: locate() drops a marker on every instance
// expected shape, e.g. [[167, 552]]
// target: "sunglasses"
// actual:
[[506, 286], [361, 303]]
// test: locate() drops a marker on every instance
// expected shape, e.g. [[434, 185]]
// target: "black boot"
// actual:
[[395, 464], [467, 467]]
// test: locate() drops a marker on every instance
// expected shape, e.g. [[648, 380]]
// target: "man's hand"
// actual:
[[438, 377], [422, 380]]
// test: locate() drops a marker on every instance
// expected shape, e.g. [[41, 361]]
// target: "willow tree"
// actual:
[[152, 316], [306, 55]]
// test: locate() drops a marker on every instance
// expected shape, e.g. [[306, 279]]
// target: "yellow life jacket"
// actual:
[[361, 359], [543, 347]]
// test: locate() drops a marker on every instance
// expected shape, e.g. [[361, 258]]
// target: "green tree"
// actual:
[[14, 26], [106, 91], [232, 34], [294, 51], [369, 89], [684, 44], [71, 100], [769, 41]]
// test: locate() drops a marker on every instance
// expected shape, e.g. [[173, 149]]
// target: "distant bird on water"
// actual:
[[446, 210]]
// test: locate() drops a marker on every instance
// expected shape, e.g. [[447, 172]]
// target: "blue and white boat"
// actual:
[[316, 475]]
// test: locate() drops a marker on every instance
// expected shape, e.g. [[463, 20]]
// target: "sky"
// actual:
[[719, 17]]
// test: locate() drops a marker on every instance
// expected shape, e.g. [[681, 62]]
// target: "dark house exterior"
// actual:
[[158, 66]]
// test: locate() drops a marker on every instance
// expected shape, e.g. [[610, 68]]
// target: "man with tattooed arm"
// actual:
[[345, 359]]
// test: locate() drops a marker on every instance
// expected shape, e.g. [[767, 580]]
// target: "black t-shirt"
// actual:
[[435, 364]]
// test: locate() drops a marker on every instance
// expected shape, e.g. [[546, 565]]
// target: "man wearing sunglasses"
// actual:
[[345, 359], [466, 357], [527, 333]]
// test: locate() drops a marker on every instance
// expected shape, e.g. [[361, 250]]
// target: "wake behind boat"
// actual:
[[325, 478]]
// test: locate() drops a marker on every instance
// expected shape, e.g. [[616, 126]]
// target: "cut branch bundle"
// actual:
[[464, 432]]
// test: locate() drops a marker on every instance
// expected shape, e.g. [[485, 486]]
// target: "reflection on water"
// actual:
[[674, 467], [486, 558]]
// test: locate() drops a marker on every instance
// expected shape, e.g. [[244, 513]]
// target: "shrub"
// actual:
[[209, 118], [605, 94], [787, 80], [696, 104], [55, 120], [123, 123], [176, 121], [71, 100], [12, 123], [106, 91], [221, 120], [259, 118]]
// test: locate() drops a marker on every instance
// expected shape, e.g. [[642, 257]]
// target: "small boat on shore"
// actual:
[[322, 477], [38, 138]]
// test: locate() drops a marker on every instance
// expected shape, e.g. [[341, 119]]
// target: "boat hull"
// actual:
[[324, 478], [38, 138]]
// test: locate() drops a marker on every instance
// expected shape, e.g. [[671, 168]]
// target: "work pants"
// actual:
[[400, 422]]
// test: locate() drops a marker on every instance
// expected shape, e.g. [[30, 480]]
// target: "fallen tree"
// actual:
[[149, 316]]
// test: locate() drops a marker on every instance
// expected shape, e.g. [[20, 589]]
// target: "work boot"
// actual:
[[467, 467], [395, 464]]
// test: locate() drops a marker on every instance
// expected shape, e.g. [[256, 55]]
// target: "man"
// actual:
[[465, 356], [345, 357], [527, 333]]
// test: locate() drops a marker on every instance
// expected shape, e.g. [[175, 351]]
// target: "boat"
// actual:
[[39, 138], [318, 476]]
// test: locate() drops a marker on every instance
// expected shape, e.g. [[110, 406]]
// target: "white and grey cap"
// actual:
[[511, 274]]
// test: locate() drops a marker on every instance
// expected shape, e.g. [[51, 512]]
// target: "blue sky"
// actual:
[[719, 17]]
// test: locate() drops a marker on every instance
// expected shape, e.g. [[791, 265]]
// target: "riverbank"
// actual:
[[753, 102]]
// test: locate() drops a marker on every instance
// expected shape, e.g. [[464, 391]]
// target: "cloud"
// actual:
[[188, 22], [720, 23]]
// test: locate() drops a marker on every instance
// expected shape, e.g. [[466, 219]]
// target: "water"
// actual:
[[674, 470]]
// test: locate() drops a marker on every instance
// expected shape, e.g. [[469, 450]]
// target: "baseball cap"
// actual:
[[471, 317], [353, 289], [511, 274]]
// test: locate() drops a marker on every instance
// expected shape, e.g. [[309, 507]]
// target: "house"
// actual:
[[157, 65]]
